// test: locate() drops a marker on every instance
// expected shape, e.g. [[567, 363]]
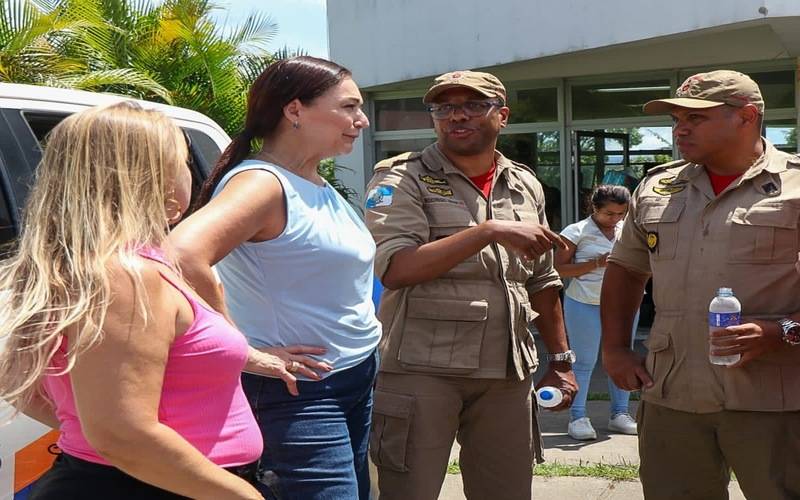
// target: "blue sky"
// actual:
[[301, 23]]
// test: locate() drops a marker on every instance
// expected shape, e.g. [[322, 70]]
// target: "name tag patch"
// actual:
[[434, 181], [380, 196], [440, 191]]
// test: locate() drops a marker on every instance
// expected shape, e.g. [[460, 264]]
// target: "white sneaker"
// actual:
[[581, 429], [623, 423]]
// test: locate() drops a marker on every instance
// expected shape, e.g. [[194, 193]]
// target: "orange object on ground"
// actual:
[[32, 461]]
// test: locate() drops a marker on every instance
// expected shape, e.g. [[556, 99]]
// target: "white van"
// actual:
[[27, 114]]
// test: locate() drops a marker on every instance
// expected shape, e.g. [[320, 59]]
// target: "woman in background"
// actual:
[[588, 244]]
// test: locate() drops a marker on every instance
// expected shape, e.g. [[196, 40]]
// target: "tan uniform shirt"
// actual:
[[693, 243], [474, 319]]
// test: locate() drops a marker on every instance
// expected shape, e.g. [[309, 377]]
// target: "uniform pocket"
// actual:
[[766, 232], [660, 218], [660, 355], [445, 219], [391, 422], [442, 335]]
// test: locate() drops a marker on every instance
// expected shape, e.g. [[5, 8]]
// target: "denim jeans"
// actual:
[[316, 443], [583, 329]]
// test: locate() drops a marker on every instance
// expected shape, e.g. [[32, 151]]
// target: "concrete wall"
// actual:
[[385, 41]]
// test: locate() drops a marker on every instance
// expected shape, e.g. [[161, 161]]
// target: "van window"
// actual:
[[42, 123], [206, 152], [7, 230]]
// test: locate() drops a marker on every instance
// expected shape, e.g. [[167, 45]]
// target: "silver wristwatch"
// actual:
[[568, 356]]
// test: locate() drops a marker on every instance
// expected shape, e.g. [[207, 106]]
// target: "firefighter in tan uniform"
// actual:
[[465, 255], [725, 216]]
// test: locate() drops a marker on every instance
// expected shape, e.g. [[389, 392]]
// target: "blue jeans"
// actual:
[[316, 443], [583, 329]]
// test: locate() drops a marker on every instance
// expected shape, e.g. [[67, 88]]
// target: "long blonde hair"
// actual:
[[100, 190]]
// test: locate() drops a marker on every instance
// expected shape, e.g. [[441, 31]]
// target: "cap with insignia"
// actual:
[[709, 90], [482, 83]]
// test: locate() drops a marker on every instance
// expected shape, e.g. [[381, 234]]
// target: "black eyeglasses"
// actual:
[[472, 109]]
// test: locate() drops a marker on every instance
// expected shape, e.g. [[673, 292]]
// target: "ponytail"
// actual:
[[236, 152]]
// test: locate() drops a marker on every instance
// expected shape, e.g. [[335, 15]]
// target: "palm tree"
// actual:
[[169, 51], [43, 43]]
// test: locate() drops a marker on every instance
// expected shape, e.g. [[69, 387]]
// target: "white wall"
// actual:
[[385, 41]]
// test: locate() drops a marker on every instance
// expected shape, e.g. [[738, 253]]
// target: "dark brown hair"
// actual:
[[607, 193], [304, 78]]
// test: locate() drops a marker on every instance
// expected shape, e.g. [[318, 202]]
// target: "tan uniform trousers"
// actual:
[[491, 418], [688, 456]]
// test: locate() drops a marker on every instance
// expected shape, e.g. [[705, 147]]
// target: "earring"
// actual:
[[175, 217], [296, 125], [174, 207]]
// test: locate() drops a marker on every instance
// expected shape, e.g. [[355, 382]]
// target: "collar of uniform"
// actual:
[[689, 172], [768, 161], [435, 160]]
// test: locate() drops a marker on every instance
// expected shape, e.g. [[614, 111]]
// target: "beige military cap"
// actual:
[[709, 90], [483, 83]]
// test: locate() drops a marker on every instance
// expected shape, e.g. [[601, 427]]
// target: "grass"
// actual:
[[619, 472]]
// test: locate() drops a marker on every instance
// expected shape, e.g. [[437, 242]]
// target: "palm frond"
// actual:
[[122, 78]]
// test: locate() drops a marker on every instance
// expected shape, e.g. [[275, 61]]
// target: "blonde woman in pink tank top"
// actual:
[[103, 338]]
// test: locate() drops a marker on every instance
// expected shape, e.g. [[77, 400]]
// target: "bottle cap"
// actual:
[[549, 396]]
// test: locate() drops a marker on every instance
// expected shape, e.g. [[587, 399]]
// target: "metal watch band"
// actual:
[[568, 356], [790, 331]]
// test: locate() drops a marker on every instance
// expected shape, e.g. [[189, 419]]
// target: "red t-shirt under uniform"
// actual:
[[720, 182], [484, 181]]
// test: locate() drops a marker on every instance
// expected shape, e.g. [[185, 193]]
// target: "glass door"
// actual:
[[600, 158]]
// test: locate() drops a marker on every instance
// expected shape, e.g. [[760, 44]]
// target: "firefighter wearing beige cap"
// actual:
[[465, 254], [726, 215]]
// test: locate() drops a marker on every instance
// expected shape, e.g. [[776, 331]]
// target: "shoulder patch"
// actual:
[[380, 196], [396, 160]]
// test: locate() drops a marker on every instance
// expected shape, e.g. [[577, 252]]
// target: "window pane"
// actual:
[[206, 152], [603, 162], [533, 105], [782, 134], [542, 153], [402, 114], [649, 146], [42, 123], [615, 100], [8, 231], [777, 88], [387, 149]]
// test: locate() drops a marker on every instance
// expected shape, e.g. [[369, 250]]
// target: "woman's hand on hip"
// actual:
[[285, 362]]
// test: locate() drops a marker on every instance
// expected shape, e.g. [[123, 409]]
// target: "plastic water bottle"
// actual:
[[549, 396], [724, 310]]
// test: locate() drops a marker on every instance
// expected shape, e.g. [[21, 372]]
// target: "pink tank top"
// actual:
[[201, 399]]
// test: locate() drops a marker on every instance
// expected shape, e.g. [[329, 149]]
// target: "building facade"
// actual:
[[577, 73]]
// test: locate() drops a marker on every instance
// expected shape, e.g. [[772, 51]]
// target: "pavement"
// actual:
[[608, 448]]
